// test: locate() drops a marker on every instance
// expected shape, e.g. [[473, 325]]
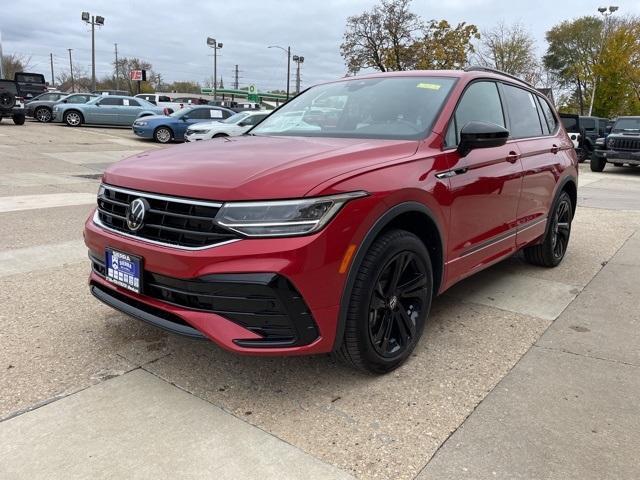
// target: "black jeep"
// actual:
[[11, 104], [620, 147]]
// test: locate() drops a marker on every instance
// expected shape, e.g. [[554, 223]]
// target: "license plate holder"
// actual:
[[123, 269]]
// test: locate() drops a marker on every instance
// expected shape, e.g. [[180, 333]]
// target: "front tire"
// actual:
[[19, 119], [162, 135], [73, 118], [597, 164], [43, 114], [554, 246], [389, 303]]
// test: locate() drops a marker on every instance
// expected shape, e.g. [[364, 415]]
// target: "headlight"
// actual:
[[600, 142], [199, 131], [141, 123], [282, 218]]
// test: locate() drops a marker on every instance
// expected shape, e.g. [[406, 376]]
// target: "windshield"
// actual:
[[179, 113], [238, 117], [627, 124], [387, 108]]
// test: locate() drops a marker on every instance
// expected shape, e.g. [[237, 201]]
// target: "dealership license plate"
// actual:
[[124, 270]]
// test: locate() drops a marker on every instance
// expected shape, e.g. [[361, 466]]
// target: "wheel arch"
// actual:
[[410, 216], [69, 110]]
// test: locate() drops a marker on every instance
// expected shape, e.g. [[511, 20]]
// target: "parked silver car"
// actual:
[[105, 110], [40, 107]]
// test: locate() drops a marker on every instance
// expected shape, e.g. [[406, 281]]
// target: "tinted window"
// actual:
[[162, 98], [548, 115], [523, 113], [588, 123], [130, 102], [29, 78], [110, 101], [200, 114], [570, 123], [481, 103], [78, 99]]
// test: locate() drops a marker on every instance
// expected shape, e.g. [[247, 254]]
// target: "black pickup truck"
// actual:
[[621, 147], [30, 84]]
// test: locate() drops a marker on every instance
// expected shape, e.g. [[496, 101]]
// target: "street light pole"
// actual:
[[73, 84], [93, 21], [606, 13], [288, 52], [298, 60], [213, 43]]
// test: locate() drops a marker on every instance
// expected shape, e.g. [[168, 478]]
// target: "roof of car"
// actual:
[[469, 73]]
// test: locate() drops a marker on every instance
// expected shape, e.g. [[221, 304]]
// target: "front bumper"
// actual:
[[194, 137], [302, 271], [619, 156], [142, 132]]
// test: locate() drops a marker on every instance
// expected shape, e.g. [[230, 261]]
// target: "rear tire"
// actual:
[[597, 164], [73, 118], [554, 246], [43, 114], [19, 119], [389, 303], [162, 135]]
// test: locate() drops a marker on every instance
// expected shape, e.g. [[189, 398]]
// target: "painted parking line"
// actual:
[[50, 200], [31, 259], [83, 158]]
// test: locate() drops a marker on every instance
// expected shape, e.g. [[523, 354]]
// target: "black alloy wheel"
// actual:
[[388, 304], [554, 246], [398, 300]]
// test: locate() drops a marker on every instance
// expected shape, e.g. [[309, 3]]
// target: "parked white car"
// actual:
[[162, 101], [233, 126]]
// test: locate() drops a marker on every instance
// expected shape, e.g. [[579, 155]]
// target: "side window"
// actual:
[[110, 101], [253, 119], [523, 113], [480, 102], [162, 98], [131, 102], [199, 114], [548, 114]]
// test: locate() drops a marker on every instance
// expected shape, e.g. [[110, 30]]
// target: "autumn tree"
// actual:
[[391, 37], [442, 46], [510, 48]]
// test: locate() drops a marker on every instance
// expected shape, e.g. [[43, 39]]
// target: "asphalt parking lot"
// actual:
[[522, 372]]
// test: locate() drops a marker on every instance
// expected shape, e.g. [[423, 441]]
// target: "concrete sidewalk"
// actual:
[[137, 426], [569, 409]]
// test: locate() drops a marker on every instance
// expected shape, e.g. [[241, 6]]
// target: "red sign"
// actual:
[[136, 75]]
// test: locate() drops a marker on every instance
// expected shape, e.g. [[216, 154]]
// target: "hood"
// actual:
[[251, 167], [151, 118]]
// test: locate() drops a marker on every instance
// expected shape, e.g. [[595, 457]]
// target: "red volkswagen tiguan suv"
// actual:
[[331, 225]]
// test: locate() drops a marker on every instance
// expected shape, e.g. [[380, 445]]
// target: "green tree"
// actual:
[[573, 50], [510, 48]]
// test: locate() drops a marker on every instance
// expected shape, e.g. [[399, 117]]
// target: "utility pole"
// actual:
[[236, 77], [53, 82], [117, 68], [1, 71], [93, 21], [73, 85]]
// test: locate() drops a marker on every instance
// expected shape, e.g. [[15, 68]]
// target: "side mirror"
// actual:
[[185, 118], [243, 124], [481, 135]]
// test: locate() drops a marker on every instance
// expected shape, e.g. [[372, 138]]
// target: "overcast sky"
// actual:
[[171, 34]]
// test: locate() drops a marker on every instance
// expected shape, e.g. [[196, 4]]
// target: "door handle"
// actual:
[[512, 157], [555, 149]]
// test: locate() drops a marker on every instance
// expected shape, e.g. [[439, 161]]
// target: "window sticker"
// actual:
[[215, 113], [428, 86], [125, 102]]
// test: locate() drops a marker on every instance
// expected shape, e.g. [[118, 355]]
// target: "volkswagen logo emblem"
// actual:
[[136, 211]]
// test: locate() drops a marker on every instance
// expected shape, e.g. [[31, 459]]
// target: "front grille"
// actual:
[[172, 221], [621, 143], [264, 303]]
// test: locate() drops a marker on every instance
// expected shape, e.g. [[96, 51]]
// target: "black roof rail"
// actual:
[[478, 68]]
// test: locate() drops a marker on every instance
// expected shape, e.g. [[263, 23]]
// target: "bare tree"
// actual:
[[13, 63], [510, 48]]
